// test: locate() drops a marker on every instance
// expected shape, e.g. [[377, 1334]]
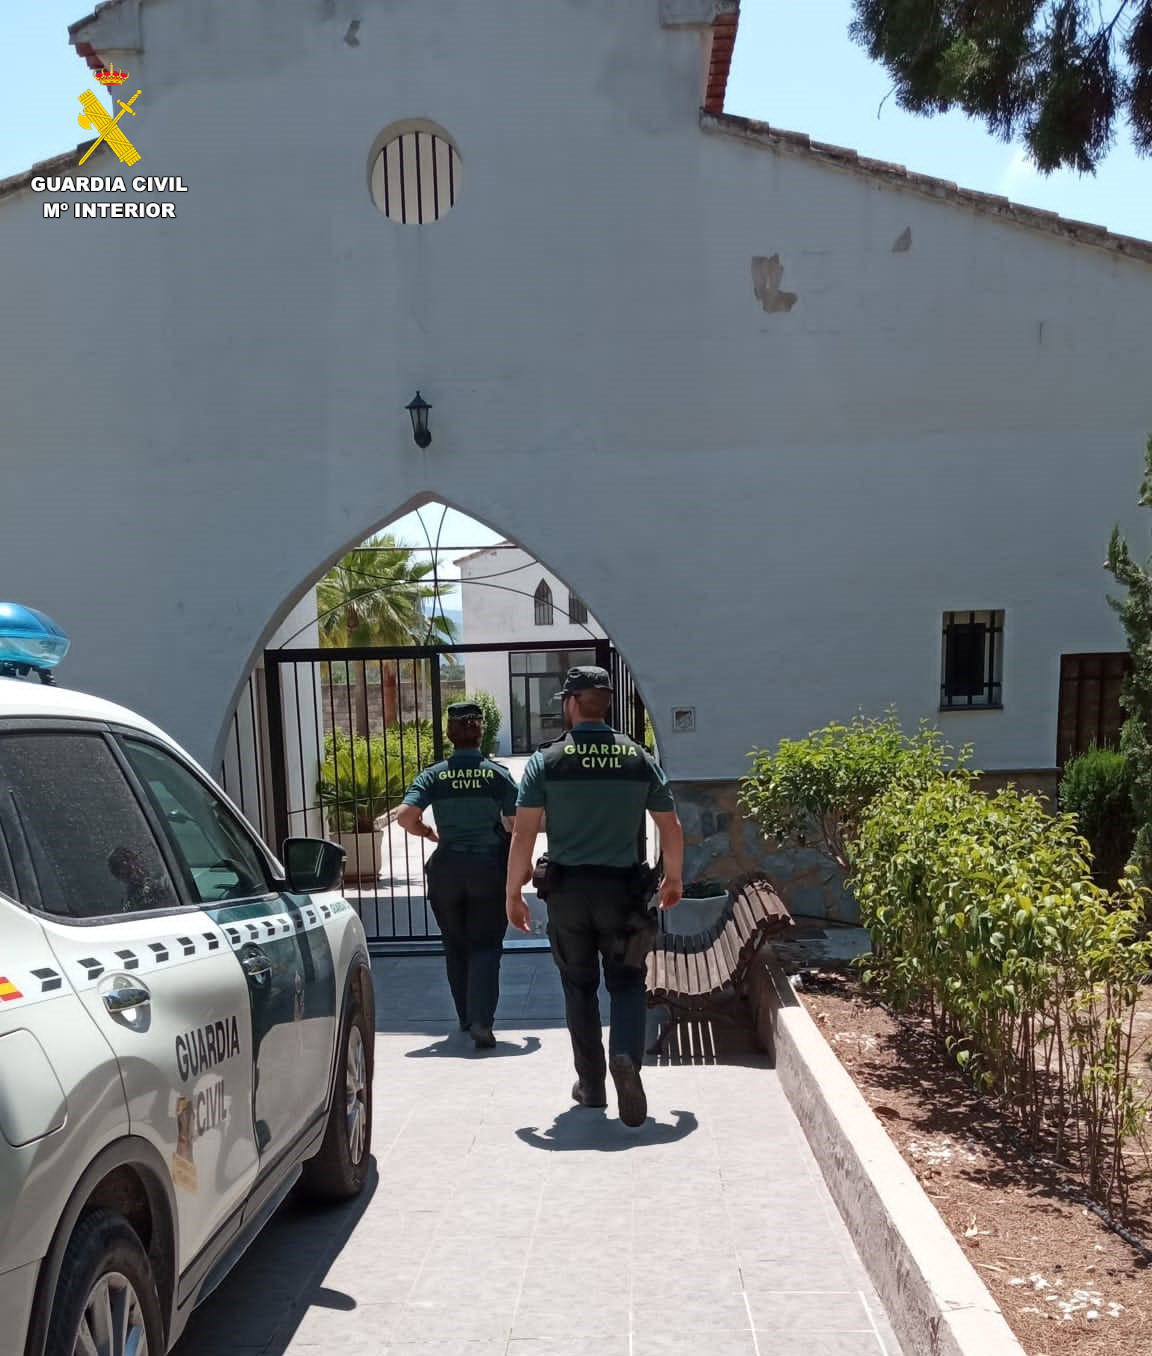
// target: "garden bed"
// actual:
[[1067, 1284]]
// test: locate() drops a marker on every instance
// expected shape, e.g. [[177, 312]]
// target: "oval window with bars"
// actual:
[[415, 175]]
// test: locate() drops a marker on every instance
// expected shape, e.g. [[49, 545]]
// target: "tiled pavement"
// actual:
[[503, 1221]]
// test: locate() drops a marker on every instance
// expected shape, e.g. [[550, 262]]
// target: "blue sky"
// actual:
[[794, 66]]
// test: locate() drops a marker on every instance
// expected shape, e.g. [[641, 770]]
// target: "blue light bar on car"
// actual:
[[29, 639]]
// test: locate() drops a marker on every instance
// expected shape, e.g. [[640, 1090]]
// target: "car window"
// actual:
[[7, 868], [222, 860], [87, 836]]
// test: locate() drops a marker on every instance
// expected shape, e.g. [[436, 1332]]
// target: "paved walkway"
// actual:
[[504, 1221]]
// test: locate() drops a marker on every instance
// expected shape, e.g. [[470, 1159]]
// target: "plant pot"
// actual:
[[362, 861], [694, 915]]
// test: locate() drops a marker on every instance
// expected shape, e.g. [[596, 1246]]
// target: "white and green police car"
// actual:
[[186, 1024]]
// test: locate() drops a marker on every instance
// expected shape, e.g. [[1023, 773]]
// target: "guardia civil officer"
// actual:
[[595, 785], [473, 800]]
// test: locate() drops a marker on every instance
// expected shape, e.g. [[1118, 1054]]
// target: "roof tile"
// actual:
[[1035, 218]]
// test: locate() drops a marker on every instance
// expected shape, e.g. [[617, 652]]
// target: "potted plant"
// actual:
[[357, 785], [700, 906]]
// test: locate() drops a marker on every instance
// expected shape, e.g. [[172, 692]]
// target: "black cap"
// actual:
[[585, 679], [465, 711]]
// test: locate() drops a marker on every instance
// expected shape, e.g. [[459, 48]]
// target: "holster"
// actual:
[[543, 875], [635, 939], [643, 884]]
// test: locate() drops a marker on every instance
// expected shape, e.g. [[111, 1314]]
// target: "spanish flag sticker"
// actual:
[[8, 990]]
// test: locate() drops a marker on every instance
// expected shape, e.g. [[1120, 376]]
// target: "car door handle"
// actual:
[[256, 966], [126, 999]]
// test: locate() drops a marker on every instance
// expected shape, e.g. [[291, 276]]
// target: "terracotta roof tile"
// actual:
[[724, 28], [989, 204]]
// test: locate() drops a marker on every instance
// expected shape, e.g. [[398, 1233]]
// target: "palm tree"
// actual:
[[376, 595]]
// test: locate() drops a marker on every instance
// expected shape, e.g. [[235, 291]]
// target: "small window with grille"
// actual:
[[972, 661], [543, 601], [577, 612], [415, 173]]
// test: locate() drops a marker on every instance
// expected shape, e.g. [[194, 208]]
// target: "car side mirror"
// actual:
[[313, 865]]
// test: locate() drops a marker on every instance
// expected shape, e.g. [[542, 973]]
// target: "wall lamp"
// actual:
[[418, 410]]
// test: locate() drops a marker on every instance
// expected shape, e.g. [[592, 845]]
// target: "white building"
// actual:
[[506, 598], [797, 426]]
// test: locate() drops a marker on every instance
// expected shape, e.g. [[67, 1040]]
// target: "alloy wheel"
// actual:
[[113, 1322], [356, 1094]]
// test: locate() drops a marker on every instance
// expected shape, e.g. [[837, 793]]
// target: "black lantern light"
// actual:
[[418, 409]]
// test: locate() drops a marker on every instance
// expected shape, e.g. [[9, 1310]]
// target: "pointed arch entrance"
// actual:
[[326, 737]]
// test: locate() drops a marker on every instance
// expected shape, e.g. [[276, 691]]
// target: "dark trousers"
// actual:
[[586, 916], [466, 892]]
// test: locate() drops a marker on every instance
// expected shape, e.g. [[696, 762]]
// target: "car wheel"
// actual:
[[105, 1302], [339, 1170]]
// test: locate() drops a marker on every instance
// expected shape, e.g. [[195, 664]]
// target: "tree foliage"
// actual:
[[1058, 73], [1135, 612], [376, 595]]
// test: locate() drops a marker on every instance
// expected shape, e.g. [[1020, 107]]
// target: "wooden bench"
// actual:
[[706, 975]]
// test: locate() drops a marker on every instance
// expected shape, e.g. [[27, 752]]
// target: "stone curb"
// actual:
[[936, 1301]]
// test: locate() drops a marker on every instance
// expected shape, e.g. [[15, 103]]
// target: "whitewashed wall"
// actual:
[[767, 511]]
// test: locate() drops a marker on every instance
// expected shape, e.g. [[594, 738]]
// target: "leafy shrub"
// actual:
[[816, 791], [983, 914], [1096, 789], [362, 778]]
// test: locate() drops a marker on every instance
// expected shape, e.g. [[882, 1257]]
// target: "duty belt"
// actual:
[[606, 872], [473, 851]]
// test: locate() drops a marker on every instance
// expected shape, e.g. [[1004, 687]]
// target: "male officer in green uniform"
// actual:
[[472, 799], [596, 785]]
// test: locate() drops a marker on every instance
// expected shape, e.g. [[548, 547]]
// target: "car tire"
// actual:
[[340, 1168], [106, 1296]]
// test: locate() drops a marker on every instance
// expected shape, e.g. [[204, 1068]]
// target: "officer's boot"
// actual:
[[629, 1090], [587, 1093], [482, 1036]]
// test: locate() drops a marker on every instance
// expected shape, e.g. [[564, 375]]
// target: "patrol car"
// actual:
[[186, 1023]]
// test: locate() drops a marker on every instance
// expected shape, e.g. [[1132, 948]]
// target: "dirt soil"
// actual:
[[1067, 1285]]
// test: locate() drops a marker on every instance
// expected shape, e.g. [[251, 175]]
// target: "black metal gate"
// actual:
[[348, 729]]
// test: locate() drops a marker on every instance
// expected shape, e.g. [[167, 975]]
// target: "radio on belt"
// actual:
[[30, 642]]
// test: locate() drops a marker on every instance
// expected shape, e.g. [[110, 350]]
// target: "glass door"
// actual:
[[535, 677]]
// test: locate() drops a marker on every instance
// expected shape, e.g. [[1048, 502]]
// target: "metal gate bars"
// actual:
[[348, 729]]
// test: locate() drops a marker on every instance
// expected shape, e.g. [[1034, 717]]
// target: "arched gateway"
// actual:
[[340, 711]]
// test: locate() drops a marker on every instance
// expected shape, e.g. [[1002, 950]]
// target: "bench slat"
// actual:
[[715, 966], [700, 973]]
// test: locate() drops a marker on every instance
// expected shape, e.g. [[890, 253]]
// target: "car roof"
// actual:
[[24, 698]]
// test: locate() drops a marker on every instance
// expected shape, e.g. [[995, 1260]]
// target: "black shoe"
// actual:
[[589, 1094], [482, 1037], [629, 1090]]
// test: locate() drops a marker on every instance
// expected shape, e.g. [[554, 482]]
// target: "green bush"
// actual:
[[1096, 789], [816, 791], [983, 914], [491, 708], [704, 889], [362, 778]]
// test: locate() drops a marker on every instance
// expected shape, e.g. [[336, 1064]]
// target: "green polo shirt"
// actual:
[[468, 794], [595, 785]]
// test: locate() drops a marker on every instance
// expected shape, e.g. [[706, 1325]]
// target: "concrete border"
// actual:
[[936, 1301]]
